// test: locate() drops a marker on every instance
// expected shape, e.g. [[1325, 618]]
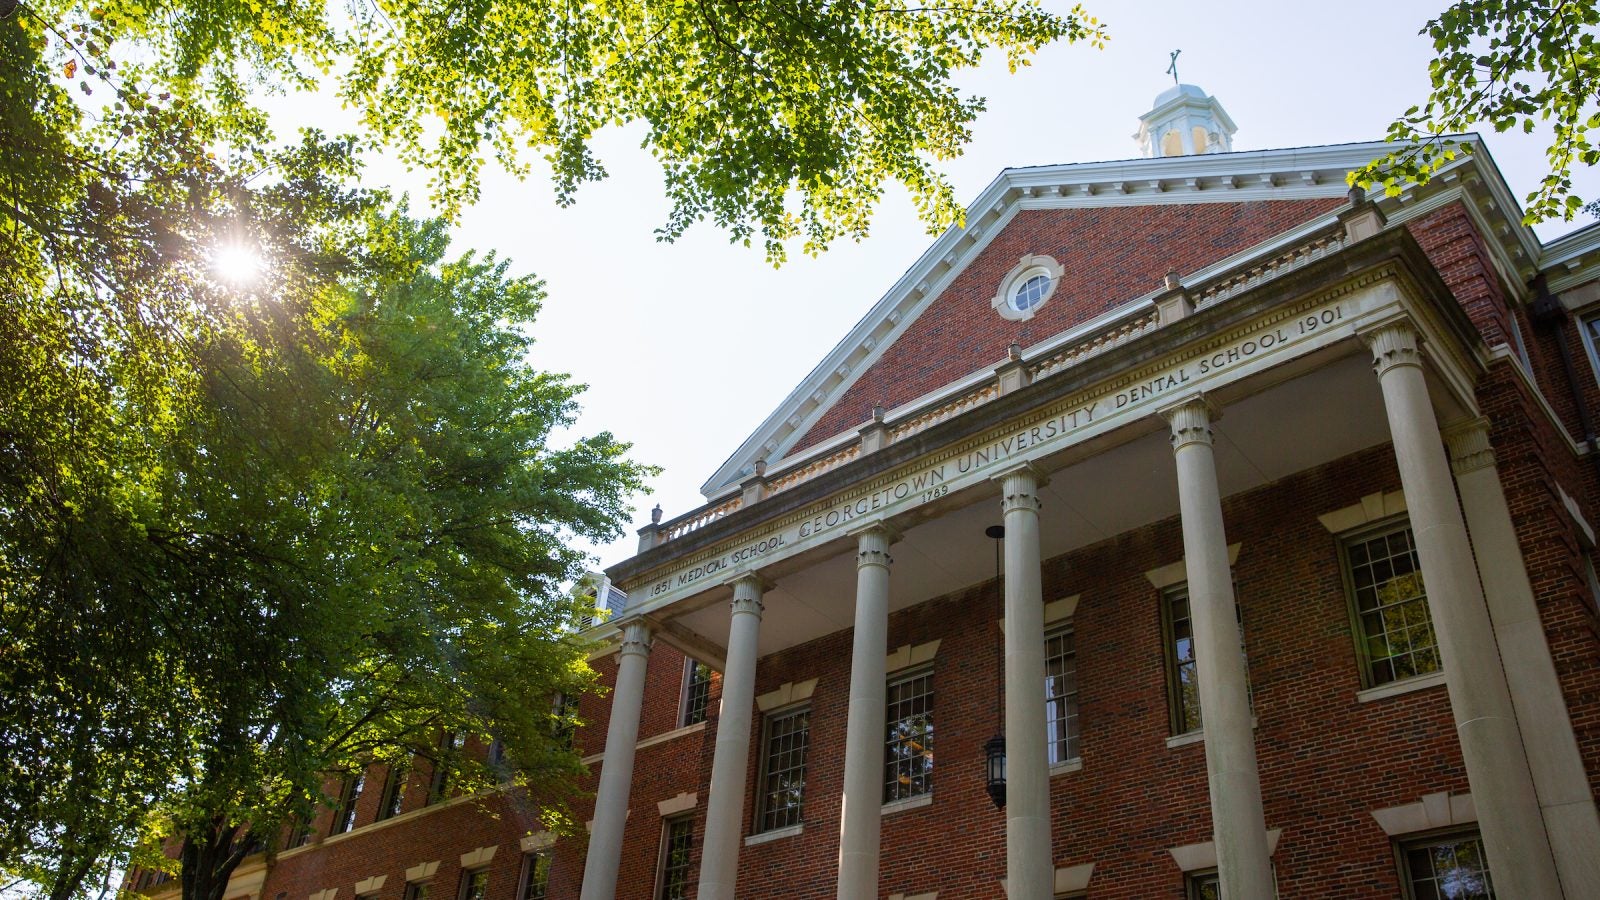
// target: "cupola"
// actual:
[[1184, 121]]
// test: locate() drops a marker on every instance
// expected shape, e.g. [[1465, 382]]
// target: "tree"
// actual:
[[1511, 64], [255, 533], [771, 117], [395, 569]]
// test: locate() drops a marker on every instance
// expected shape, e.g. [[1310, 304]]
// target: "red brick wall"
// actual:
[[1132, 248], [1457, 250]]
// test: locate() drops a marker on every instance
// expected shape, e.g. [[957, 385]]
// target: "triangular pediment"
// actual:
[[1113, 228]]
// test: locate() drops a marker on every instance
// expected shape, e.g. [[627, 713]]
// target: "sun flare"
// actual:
[[237, 263]]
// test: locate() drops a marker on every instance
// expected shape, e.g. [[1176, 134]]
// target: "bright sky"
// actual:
[[687, 347]]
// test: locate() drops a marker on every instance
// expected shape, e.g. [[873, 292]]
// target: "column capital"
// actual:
[[872, 545], [1394, 343], [1020, 487], [1469, 445], [636, 638], [747, 592], [1190, 420]]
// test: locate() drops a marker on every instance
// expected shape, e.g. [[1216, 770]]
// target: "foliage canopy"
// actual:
[[1513, 64], [768, 117]]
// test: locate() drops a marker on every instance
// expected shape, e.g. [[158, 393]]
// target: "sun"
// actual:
[[237, 263]]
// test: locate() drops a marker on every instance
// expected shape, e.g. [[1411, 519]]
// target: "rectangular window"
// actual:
[[1183, 684], [449, 745], [394, 792], [783, 768], [1451, 866], [1391, 606], [535, 875], [1061, 695], [417, 890], [474, 885], [908, 752], [677, 839], [1591, 582], [1591, 342], [696, 691], [1202, 886], [344, 816], [563, 715]]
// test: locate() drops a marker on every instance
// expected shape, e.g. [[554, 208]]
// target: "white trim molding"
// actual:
[[908, 656], [370, 885], [681, 803], [787, 693], [1195, 857], [1055, 612], [1372, 508], [1163, 577], [1074, 879], [539, 840], [1440, 810], [474, 859], [1029, 267], [422, 871], [1403, 686]]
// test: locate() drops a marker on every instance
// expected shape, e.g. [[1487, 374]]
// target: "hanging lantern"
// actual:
[[994, 753]]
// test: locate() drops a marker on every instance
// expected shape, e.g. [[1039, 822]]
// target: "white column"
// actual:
[[1486, 726], [616, 771], [862, 815], [1030, 867], [719, 862], [1570, 818], [1243, 860]]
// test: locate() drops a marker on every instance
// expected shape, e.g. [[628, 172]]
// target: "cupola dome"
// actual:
[[1184, 120]]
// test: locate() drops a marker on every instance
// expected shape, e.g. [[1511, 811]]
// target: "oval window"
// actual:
[[1030, 292]]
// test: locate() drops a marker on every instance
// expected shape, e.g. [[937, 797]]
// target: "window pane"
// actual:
[[908, 756], [1180, 663], [696, 691], [1182, 672], [344, 818], [1031, 292], [1061, 697], [1204, 887], [475, 885], [1452, 868], [783, 788], [675, 866], [536, 876], [1397, 631], [394, 790]]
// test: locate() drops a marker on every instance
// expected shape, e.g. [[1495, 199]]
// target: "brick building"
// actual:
[[1294, 577]]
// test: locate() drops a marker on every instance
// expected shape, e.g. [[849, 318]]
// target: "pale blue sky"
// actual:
[[687, 347]]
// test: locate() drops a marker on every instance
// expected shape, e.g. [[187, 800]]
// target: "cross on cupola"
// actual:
[[1184, 120]]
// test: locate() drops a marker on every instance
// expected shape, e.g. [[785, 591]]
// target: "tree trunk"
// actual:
[[209, 858]]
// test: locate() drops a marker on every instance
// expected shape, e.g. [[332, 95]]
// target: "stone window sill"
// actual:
[[1072, 765], [1198, 736], [1405, 686], [661, 738], [773, 835], [897, 806]]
